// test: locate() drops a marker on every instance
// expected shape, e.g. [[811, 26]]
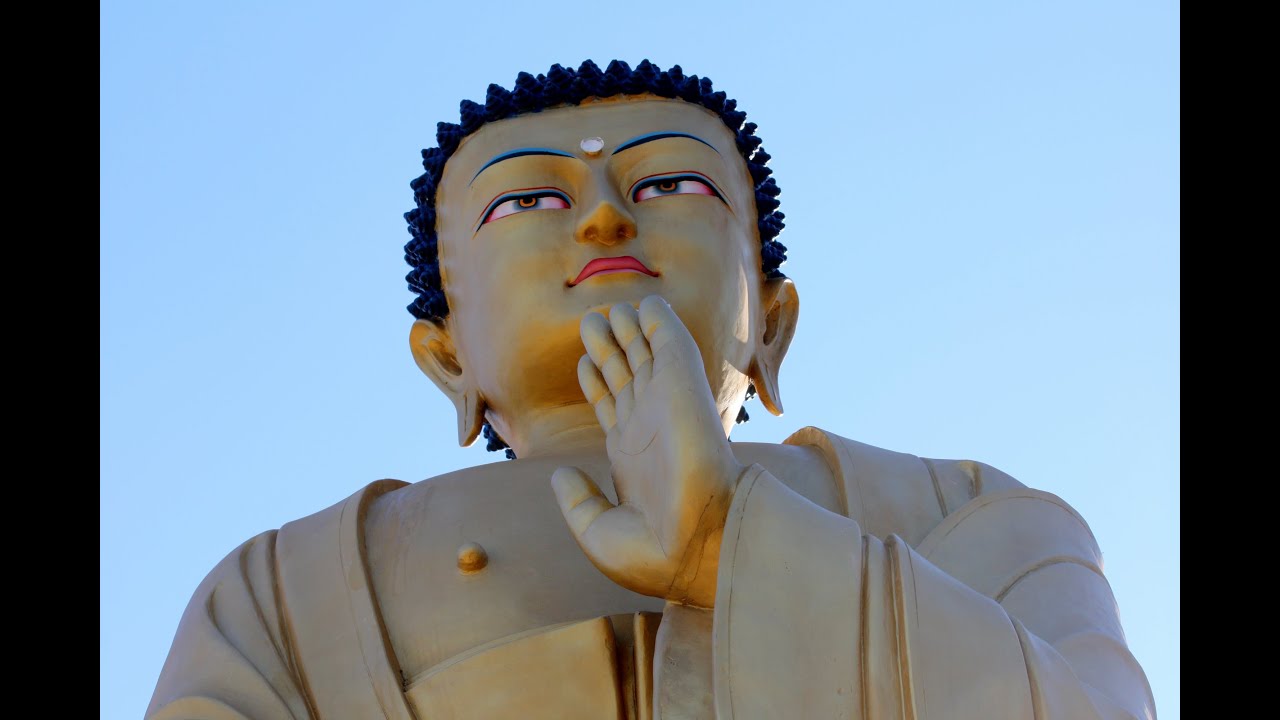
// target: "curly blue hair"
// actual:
[[566, 87]]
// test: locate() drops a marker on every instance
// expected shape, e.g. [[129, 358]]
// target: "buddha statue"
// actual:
[[598, 282]]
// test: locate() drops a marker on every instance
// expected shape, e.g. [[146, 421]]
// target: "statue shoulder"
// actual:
[[283, 600], [243, 593], [890, 492]]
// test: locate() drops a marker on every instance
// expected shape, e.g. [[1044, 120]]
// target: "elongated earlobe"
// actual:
[[780, 312], [437, 358]]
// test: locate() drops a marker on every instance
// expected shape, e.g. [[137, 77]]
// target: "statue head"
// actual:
[[577, 191]]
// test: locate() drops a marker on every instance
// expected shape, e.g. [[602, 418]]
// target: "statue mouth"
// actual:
[[604, 266]]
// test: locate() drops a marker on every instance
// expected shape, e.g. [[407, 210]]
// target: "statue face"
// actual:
[[539, 225]]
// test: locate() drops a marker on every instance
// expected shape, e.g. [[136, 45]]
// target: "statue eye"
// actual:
[[513, 203], [682, 184]]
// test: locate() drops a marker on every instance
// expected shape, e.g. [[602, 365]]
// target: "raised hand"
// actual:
[[672, 465]]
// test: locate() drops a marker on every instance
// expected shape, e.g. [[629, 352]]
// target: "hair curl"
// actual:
[[566, 87]]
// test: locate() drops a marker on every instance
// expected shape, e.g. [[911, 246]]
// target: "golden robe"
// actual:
[[941, 589]]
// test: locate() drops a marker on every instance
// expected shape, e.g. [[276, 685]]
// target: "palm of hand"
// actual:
[[672, 465]]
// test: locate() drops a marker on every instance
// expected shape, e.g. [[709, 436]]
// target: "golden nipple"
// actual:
[[472, 558]]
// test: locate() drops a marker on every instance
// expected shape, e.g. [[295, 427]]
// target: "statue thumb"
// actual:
[[580, 499]]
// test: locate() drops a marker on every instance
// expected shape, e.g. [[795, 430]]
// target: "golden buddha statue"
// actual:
[[596, 261]]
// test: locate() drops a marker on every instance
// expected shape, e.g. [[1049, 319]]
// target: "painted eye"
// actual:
[[513, 204], [673, 185]]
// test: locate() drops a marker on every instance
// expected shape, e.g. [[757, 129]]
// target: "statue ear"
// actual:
[[437, 358], [781, 310]]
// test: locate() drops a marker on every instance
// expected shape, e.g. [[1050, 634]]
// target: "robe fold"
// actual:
[[945, 589]]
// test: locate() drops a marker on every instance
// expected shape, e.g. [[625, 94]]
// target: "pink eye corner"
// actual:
[[515, 204], [675, 185]]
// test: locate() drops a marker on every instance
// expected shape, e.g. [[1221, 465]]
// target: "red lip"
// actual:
[[626, 263]]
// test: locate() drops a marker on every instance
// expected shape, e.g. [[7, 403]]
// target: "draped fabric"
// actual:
[[997, 609], [286, 627], [946, 589]]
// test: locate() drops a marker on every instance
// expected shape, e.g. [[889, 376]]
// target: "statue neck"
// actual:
[[551, 431], [563, 430]]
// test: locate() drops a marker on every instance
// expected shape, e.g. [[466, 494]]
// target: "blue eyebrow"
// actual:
[[522, 152], [650, 137]]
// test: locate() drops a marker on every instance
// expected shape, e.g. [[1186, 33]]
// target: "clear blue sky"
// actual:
[[982, 207]]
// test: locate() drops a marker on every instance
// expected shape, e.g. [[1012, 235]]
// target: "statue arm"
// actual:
[[286, 627], [816, 614], [1001, 611], [230, 658]]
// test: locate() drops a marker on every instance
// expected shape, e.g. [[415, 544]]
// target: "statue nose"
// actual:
[[607, 224]]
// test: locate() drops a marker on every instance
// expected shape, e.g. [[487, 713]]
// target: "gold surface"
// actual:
[[472, 558], [633, 563]]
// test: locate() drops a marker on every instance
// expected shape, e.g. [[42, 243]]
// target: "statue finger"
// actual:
[[640, 378], [624, 403], [661, 325], [597, 392], [625, 322], [579, 498], [597, 337]]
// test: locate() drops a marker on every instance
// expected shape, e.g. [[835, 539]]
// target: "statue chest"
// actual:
[[533, 578]]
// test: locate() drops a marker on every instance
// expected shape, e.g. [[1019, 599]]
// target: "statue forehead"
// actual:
[[615, 120]]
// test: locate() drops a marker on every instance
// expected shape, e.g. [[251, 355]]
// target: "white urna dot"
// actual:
[[592, 146]]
